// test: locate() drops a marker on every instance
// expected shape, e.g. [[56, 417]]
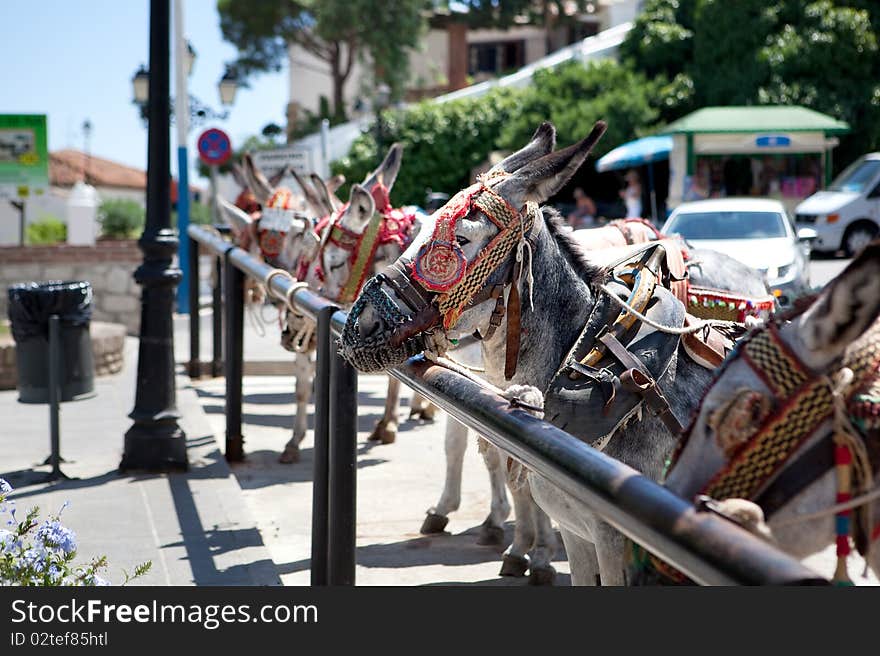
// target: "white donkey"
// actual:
[[816, 377], [494, 235]]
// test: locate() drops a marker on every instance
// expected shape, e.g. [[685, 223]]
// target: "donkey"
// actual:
[[838, 333], [434, 294]]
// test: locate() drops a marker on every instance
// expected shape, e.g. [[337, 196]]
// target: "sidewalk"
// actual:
[[195, 527]]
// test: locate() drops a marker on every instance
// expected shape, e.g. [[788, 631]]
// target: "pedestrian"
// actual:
[[584, 214], [632, 194]]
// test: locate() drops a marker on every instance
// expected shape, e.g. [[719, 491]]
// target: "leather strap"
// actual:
[[797, 476], [637, 379], [511, 356]]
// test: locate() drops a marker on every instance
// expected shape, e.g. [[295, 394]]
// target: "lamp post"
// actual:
[[155, 441], [188, 111]]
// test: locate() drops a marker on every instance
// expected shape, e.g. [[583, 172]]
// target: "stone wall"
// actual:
[[108, 266]]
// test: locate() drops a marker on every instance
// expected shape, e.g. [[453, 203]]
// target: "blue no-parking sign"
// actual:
[[215, 148]]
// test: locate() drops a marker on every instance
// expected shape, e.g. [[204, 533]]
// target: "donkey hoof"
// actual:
[[514, 565], [434, 524], [424, 414], [290, 455], [490, 535], [542, 575], [383, 435]]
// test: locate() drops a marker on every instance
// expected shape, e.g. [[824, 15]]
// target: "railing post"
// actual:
[[195, 364], [343, 472], [321, 475], [217, 319], [234, 286]]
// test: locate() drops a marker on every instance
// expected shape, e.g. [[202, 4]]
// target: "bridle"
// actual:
[[439, 283], [388, 225], [770, 440]]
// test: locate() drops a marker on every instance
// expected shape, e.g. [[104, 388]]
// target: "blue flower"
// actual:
[[56, 537]]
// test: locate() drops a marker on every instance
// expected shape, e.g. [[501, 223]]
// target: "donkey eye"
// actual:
[[462, 241], [334, 267]]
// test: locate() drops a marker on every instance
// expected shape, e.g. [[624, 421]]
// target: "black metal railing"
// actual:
[[707, 548]]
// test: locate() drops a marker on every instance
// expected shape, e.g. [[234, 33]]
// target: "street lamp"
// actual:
[[155, 440], [228, 85], [141, 85]]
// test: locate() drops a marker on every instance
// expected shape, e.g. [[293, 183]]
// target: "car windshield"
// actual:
[[856, 176], [727, 225]]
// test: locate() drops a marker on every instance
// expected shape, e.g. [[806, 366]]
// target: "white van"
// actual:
[[846, 215]]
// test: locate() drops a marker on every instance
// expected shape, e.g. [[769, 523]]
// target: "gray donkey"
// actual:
[[828, 336], [559, 289]]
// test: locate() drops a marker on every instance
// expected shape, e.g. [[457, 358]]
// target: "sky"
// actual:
[[74, 61]]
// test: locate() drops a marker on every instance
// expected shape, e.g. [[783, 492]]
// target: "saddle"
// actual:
[[614, 366]]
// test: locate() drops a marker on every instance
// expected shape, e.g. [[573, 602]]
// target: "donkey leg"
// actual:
[[541, 572], [492, 529], [450, 499], [611, 554], [421, 408], [582, 560], [516, 560], [304, 370], [386, 430]]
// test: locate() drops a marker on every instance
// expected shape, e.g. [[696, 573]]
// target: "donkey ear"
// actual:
[[387, 172], [542, 143], [311, 197], [239, 176], [542, 178], [361, 207], [257, 182], [335, 183], [237, 218], [323, 193], [846, 308], [275, 180]]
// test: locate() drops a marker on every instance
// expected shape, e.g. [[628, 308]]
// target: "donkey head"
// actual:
[[464, 251], [350, 243], [742, 402]]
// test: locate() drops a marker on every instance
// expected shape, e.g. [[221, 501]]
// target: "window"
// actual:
[[495, 57], [728, 225], [856, 176]]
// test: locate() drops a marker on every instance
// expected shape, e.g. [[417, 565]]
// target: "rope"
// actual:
[[686, 330], [523, 247], [855, 502], [462, 371]]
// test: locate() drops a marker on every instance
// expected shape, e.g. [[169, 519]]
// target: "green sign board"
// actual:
[[24, 155]]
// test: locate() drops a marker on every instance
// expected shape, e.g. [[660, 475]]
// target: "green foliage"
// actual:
[[829, 62], [482, 14], [442, 143], [822, 55], [199, 214], [121, 218], [573, 97], [48, 230], [34, 553], [338, 32]]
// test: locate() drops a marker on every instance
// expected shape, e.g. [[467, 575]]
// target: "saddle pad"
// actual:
[[580, 405]]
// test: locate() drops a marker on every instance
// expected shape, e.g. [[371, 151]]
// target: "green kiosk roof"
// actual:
[[770, 118]]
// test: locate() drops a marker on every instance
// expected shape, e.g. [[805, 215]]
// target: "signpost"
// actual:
[[215, 149], [24, 160], [272, 161]]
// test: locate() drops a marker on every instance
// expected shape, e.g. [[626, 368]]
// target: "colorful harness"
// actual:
[[275, 221], [388, 225], [761, 463]]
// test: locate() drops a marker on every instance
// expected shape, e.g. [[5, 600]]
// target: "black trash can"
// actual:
[[30, 306]]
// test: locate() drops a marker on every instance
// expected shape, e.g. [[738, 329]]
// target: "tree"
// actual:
[[822, 55], [337, 32]]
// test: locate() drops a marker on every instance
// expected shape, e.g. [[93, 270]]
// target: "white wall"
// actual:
[[54, 203]]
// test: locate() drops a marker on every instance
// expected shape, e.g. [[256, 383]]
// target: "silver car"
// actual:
[[756, 231]]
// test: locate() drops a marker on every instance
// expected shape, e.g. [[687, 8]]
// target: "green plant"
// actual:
[[38, 553], [121, 218], [199, 214], [441, 144], [48, 230]]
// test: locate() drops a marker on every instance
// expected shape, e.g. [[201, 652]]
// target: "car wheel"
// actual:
[[858, 236]]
